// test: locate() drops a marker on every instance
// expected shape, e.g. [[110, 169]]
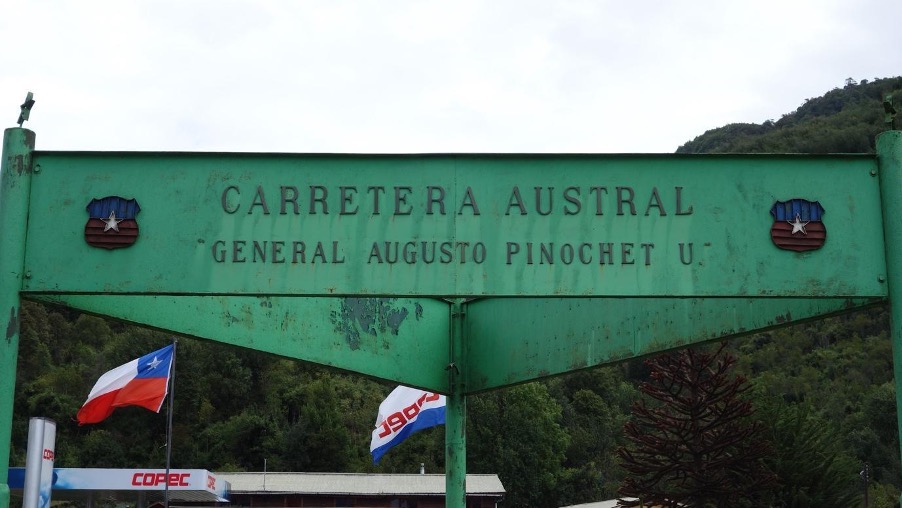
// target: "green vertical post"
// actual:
[[889, 161], [456, 414], [15, 186]]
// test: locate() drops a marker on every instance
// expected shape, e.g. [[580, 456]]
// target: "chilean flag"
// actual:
[[143, 382], [405, 411]]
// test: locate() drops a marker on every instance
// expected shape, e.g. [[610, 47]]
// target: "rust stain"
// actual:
[[12, 327]]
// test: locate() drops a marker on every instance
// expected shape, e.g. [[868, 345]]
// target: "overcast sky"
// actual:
[[425, 76]]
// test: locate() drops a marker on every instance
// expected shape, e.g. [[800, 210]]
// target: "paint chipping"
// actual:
[[370, 316], [19, 165], [12, 327], [230, 319]]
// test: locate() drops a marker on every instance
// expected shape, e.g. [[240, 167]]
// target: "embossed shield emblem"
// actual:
[[798, 225], [111, 222]]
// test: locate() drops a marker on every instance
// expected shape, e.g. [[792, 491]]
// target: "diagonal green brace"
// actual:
[[15, 186], [889, 159]]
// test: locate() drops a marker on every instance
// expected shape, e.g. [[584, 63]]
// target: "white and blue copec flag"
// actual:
[[405, 411]]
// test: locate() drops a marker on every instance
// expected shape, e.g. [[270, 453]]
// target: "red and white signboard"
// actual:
[[135, 479]]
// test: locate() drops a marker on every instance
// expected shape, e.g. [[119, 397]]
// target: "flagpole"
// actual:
[[169, 423]]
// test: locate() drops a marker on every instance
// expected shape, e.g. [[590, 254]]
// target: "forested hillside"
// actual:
[[829, 381], [844, 120], [825, 388]]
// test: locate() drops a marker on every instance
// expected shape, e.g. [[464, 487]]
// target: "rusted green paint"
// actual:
[[370, 316]]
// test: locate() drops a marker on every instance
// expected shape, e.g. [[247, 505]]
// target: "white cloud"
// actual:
[[422, 76]]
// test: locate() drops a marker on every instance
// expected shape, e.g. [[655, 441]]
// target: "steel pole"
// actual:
[[889, 162], [456, 415], [15, 187]]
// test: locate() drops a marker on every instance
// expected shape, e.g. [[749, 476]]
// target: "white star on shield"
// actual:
[[798, 225], [111, 222]]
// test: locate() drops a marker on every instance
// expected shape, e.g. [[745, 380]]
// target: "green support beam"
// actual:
[[456, 411], [525, 339], [15, 186], [401, 340], [889, 158]]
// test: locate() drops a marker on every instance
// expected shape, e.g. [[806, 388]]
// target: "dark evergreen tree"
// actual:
[[810, 461], [694, 443]]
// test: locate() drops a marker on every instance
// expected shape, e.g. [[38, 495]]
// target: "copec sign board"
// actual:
[[454, 225], [100, 479]]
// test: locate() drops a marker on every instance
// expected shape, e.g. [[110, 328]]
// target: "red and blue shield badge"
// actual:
[[111, 222], [798, 225]]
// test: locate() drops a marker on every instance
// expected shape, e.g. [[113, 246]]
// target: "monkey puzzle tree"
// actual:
[[693, 444]]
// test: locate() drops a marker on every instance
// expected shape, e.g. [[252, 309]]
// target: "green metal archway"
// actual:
[[454, 273]]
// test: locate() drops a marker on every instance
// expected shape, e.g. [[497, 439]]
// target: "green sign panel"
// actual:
[[454, 225]]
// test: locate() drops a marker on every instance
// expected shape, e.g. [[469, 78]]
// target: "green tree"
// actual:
[[809, 459], [318, 441], [595, 406], [101, 448], [517, 433], [844, 120], [240, 440]]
